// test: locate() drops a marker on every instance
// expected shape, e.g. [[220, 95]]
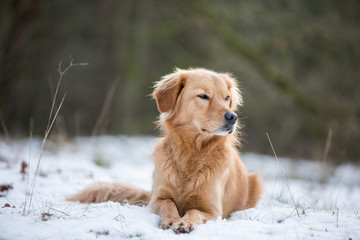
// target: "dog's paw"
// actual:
[[166, 223], [182, 226]]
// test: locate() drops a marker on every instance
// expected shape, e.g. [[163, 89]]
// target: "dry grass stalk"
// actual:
[[60, 128], [105, 110], [282, 173], [325, 156], [41, 151], [29, 166], [61, 133], [3, 125], [327, 146], [62, 73], [51, 121], [59, 211]]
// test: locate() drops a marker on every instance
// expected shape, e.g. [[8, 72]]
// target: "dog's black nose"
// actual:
[[230, 117]]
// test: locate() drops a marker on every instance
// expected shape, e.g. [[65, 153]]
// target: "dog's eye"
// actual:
[[203, 96], [227, 98]]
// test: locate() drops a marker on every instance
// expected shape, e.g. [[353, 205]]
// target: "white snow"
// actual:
[[328, 198]]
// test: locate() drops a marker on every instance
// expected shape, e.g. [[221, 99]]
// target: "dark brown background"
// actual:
[[297, 62]]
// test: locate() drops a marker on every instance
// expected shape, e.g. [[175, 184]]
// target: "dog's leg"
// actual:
[[190, 220], [167, 210], [255, 190]]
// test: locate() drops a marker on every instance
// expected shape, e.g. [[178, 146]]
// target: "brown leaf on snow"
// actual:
[[46, 216], [5, 187], [6, 205], [23, 167]]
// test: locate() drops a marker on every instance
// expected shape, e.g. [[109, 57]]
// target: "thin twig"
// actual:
[[51, 120], [41, 151], [282, 173], [59, 211], [29, 161], [62, 73]]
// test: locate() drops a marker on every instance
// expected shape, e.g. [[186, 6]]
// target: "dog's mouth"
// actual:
[[222, 131]]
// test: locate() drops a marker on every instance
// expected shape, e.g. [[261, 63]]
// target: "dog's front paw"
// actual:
[[182, 226], [166, 223]]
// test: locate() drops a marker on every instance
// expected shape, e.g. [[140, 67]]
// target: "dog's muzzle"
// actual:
[[230, 123], [230, 118]]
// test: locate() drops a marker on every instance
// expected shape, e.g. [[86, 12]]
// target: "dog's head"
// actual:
[[200, 100]]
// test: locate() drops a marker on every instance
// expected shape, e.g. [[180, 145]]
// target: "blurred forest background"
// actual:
[[297, 63]]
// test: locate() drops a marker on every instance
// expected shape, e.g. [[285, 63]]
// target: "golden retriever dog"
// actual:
[[198, 173]]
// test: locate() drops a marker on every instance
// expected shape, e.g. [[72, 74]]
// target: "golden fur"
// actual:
[[198, 173]]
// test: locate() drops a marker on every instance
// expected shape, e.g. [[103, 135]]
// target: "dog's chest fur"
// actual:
[[187, 170]]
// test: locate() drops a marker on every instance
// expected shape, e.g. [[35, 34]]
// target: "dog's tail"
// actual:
[[116, 192], [255, 189]]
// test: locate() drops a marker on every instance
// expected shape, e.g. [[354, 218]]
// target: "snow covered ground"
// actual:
[[328, 199]]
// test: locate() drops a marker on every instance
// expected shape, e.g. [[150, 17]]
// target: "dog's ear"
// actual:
[[168, 89], [236, 98]]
